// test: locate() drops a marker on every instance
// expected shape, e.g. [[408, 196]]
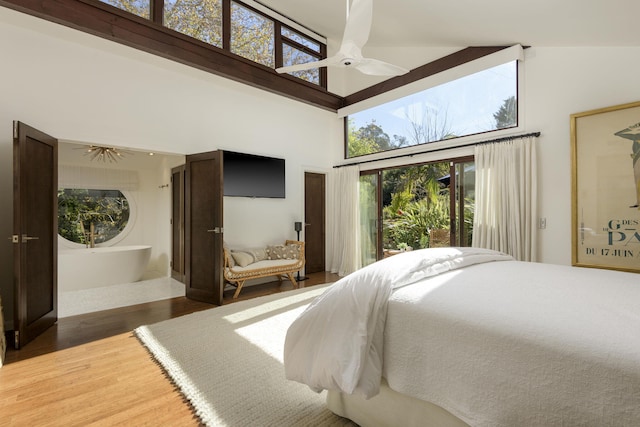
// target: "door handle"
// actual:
[[26, 238], [216, 230]]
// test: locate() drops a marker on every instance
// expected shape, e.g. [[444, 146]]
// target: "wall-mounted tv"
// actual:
[[248, 175]]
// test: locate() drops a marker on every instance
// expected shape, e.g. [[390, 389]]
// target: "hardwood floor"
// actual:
[[91, 370]]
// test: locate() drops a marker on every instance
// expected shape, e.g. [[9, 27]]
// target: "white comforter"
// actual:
[[520, 344], [337, 342], [497, 344]]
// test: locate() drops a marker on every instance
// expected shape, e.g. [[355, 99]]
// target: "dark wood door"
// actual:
[[203, 227], [35, 231], [314, 217], [177, 223]]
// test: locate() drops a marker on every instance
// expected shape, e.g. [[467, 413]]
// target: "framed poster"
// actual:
[[605, 154]]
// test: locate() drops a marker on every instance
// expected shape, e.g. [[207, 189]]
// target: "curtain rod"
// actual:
[[489, 141]]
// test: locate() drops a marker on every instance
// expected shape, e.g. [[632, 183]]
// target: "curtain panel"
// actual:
[[345, 251], [506, 197]]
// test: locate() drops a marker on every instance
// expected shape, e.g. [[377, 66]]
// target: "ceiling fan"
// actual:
[[356, 34]]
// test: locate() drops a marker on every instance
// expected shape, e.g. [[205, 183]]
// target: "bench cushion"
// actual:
[[269, 263]]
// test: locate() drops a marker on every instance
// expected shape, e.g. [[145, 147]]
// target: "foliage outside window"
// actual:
[[141, 8], [252, 34], [415, 204], [200, 19], [107, 210], [298, 49], [415, 209], [482, 102]]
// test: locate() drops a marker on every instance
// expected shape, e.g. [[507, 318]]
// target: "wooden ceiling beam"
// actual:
[[102, 20]]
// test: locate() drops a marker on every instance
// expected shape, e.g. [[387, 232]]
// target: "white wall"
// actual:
[[77, 87], [560, 82]]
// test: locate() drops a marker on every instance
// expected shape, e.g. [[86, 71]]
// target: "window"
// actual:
[[252, 35], [80, 210], [200, 19], [482, 102], [137, 7], [298, 49], [253, 31], [415, 207]]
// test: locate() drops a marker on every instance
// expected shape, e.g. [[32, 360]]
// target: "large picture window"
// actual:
[[482, 102]]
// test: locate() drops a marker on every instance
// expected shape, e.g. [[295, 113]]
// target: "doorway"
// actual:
[[177, 223], [416, 206], [203, 227], [314, 222], [35, 220]]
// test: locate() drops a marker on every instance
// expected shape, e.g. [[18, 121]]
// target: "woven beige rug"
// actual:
[[227, 362]]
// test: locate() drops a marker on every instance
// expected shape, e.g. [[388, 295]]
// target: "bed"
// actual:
[[466, 336]]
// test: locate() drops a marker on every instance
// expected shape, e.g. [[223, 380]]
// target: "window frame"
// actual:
[[447, 142], [456, 216], [133, 215], [282, 40], [156, 14]]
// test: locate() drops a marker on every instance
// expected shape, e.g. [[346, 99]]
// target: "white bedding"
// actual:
[[496, 344], [520, 344], [337, 342]]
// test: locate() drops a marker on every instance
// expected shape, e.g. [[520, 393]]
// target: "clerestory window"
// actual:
[[254, 32], [200, 19]]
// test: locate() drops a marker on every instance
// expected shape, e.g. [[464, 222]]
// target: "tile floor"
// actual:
[[151, 288]]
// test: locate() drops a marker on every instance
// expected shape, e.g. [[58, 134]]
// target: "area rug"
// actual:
[[227, 362]]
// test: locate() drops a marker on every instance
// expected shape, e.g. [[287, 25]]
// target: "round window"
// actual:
[[86, 215]]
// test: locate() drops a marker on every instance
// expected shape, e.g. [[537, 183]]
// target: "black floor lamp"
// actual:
[[298, 227]]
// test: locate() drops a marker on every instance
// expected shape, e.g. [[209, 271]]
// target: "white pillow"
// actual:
[[242, 258]]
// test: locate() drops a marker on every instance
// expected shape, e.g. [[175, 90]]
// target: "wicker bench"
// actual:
[[236, 275]]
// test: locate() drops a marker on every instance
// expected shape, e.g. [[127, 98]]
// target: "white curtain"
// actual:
[[345, 250], [506, 198]]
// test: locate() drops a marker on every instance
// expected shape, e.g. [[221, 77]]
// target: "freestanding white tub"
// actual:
[[96, 267]]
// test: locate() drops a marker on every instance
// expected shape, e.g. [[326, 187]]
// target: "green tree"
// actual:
[[367, 140], [252, 35], [200, 19], [108, 210], [506, 116], [414, 203]]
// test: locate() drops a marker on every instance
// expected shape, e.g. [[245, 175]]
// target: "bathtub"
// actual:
[[95, 267]]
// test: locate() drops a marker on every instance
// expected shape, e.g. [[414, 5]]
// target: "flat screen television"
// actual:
[[248, 175]]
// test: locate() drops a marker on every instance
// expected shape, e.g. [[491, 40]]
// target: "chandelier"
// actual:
[[105, 154]]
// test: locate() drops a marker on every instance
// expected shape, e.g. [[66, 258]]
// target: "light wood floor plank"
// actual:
[[90, 370]]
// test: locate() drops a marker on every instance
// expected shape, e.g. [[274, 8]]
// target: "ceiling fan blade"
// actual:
[[358, 27], [374, 67], [308, 65], [356, 34]]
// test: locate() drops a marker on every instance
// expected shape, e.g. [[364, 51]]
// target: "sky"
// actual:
[[467, 104]]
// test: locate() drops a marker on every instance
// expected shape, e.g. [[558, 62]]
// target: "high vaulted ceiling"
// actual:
[[461, 23], [424, 36]]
